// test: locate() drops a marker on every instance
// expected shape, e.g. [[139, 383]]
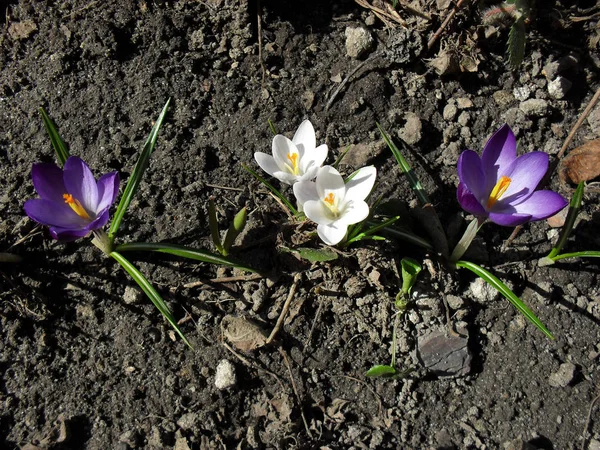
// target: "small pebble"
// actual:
[[563, 376], [358, 41], [534, 107], [225, 375], [559, 87]]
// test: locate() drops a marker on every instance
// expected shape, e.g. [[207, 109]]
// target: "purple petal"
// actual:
[[66, 234], [525, 173], [80, 183], [108, 188], [471, 174], [100, 221], [52, 213], [48, 181], [541, 205], [499, 151], [509, 219], [468, 202]]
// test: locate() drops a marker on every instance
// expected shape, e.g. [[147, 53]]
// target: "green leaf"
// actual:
[[574, 207], [583, 254], [275, 191], [183, 252], [381, 371], [272, 127], [62, 152], [506, 292], [340, 158], [138, 173], [516, 43], [313, 254], [235, 228], [370, 232], [412, 178], [149, 290], [410, 271], [407, 236]]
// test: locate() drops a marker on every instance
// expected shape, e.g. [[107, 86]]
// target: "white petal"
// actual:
[[285, 177], [332, 234], [314, 158], [305, 191], [329, 181], [318, 212], [305, 138], [361, 184], [266, 163], [282, 147], [354, 211], [310, 174]]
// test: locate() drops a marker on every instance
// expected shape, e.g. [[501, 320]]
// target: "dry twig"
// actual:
[[285, 309], [439, 31]]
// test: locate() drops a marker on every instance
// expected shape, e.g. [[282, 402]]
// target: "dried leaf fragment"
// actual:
[[244, 334], [581, 164]]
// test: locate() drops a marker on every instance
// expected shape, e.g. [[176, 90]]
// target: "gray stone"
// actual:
[[464, 103], [464, 118], [411, 133], [358, 41], [188, 421], [225, 375], [559, 87], [454, 301], [563, 376], [444, 355], [522, 93], [518, 444], [534, 107], [131, 295], [594, 445], [450, 111], [503, 98], [594, 120]]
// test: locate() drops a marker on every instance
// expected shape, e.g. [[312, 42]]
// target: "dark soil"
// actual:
[[86, 360]]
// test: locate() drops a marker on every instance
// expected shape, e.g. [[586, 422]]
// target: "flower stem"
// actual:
[[103, 242]]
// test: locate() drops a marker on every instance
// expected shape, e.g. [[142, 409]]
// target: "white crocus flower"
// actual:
[[333, 204], [295, 160]]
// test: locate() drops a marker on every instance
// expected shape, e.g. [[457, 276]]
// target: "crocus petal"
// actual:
[[318, 212], [509, 219], [468, 202], [282, 147], [305, 138], [499, 151], [314, 159], [266, 163], [48, 181], [329, 181], [525, 173], [67, 234], [80, 183], [52, 213], [99, 222], [108, 188], [541, 205], [286, 177], [361, 184], [471, 175], [354, 211], [305, 191], [332, 234]]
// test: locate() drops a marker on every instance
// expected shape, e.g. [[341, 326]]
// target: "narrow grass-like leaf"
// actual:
[[272, 127], [574, 207], [340, 158], [149, 290], [275, 191], [583, 254], [183, 252], [137, 174], [62, 152], [407, 236], [370, 232], [214, 226], [506, 292], [313, 254], [412, 178]]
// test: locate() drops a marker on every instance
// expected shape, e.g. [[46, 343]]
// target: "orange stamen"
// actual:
[[329, 199], [76, 206], [293, 157], [500, 188]]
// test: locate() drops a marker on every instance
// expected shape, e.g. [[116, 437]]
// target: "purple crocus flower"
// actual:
[[72, 203], [501, 186]]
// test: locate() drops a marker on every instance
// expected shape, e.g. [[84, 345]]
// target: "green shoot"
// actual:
[[506, 292], [183, 252], [62, 152], [236, 226], [274, 190], [339, 159], [149, 290], [272, 127], [138, 173]]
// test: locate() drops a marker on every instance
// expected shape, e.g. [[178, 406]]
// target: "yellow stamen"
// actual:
[[500, 188], [293, 157], [76, 206]]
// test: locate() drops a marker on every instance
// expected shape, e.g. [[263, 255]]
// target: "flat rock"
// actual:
[[444, 355]]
